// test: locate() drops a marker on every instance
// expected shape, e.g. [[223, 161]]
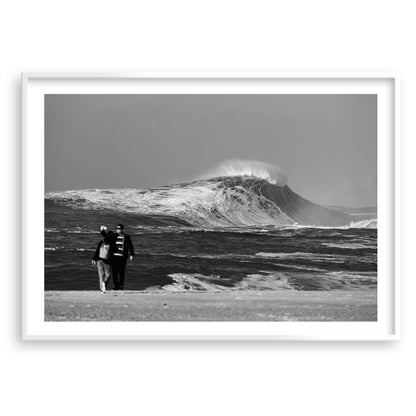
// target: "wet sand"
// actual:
[[211, 306]]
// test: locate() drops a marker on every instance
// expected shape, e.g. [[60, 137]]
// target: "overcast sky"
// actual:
[[326, 144]]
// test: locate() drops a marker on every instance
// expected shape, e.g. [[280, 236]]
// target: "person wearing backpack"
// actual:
[[102, 258]]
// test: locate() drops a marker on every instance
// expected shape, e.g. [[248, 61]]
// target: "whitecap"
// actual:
[[350, 246]]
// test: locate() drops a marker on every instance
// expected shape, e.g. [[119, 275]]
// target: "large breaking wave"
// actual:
[[254, 194]]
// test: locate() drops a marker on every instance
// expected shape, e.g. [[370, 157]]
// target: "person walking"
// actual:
[[122, 251], [102, 259]]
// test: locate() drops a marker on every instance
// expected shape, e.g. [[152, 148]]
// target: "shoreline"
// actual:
[[250, 305]]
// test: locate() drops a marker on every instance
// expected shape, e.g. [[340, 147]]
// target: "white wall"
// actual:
[[195, 378]]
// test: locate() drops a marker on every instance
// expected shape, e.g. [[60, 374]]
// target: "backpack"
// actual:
[[104, 251]]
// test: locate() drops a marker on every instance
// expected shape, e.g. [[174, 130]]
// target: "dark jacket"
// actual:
[[96, 256], [111, 237]]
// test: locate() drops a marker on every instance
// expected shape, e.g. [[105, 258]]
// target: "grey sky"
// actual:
[[326, 144]]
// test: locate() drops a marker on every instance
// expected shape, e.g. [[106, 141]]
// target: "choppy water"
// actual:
[[174, 255]]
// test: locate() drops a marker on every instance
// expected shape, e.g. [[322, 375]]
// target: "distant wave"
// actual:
[[328, 258], [66, 249], [226, 201], [371, 223], [350, 246]]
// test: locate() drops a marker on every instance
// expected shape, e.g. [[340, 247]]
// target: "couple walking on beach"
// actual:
[[111, 257]]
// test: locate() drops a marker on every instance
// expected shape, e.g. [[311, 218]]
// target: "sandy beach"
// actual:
[[217, 306]]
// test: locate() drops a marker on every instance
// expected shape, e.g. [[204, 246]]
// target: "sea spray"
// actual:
[[251, 168]]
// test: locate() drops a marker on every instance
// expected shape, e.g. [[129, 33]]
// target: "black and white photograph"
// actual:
[[210, 207]]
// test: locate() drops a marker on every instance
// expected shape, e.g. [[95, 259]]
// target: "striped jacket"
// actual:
[[123, 248]]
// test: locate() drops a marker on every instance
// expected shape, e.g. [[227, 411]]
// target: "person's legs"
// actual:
[[101, 274], [107, 273], [122, 273], [115, 270]]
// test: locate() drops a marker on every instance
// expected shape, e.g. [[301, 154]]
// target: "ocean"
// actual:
[[219, 234]]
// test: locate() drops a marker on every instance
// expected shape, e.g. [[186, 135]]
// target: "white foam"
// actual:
[[253, 168], [185, 282], [332, 258], [371, 223], [350, 246], [267, 281], [294, 254]]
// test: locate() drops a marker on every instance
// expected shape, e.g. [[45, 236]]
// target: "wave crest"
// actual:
[[252, 168]]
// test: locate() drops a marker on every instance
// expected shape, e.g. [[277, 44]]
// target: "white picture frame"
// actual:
[[386, 86]]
